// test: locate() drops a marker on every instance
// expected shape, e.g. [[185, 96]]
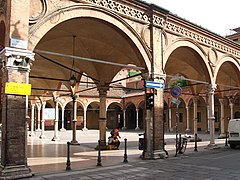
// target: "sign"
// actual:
[[17, 88], [49, 113], [176, 101], [18, 43], [153, 84], [176, 91]]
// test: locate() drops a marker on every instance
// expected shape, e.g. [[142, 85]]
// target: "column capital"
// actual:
[[195, 99], [221, 100], [212, 88], [16, 58], [231, 100]]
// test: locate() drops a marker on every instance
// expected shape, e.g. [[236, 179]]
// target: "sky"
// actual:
[[218, 16]]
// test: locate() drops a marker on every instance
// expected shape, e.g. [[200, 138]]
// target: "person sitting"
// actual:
[[114, 139]]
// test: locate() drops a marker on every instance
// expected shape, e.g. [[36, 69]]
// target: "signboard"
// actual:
[[153, 84], [18, 43], [176, 101], [49, 113], [176, 91], [17, 88]]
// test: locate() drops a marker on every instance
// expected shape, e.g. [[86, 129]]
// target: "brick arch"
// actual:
[[186, 42], [78, 11]]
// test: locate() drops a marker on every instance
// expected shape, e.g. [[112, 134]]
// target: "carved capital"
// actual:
[[212, 88], [16, 58]]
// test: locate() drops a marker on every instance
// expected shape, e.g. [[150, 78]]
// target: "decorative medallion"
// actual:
[[38, 9], [212, 57], [2, 7]]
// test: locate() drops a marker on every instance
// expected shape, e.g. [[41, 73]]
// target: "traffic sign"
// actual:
[[176, 91], [154, 84]]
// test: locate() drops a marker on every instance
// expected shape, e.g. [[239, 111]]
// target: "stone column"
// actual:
[[43, 136], [102, 116], [63, 111], [15, 69], [188, 119], [38, 118], [231, 104], [195, 101], [211, 116], [56, 137], [124, 120], [85, 119], [32, 134], [74, 121], [137, 128], [223, 133]]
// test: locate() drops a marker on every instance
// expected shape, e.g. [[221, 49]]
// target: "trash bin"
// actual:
[[141, 143]]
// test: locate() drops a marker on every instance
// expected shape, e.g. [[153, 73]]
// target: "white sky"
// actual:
[[218, 16]]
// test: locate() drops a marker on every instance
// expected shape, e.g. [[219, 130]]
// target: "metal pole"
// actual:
[[99, 163], [176, 131], [68, 157], [195, 139], [125, 152], [226, 141]]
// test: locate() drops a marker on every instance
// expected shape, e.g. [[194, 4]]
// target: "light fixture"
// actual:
[[73, 79]]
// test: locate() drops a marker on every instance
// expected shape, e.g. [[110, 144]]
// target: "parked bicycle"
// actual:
[[182, 143]]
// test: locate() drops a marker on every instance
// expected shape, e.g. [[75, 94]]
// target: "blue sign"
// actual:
[[176, 91], [153, 84]]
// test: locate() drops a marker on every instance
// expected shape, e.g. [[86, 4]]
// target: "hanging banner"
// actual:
[[18, 88]]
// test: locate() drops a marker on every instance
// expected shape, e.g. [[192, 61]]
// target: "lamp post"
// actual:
[[73, 84]]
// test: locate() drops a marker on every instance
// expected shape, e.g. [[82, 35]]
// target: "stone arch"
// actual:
[[131, 116], [93, 114], [77, 11], [114, 115], [186, 42]]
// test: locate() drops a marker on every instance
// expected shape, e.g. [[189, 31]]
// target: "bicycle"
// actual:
[[182, 144]]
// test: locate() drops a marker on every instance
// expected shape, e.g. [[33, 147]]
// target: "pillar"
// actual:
[[102, 116], [85, 119], [56, 137], [38, 118], [170, 117], [195, 101], [124, 119], [188, 119], [211, 116], [223, 133], [32, 134], [43, 136], [74, 121], [137, 120], [231, 104], [15, 69], [63, 111]]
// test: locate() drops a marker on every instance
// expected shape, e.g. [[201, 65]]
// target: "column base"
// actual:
[[137, 129], [15, 172], [63, 130], [212, 146], [55, 139], [38, 130], [32, 134], [42, 137], [222, 136], [124, 128], [84, 129], [75, 142]]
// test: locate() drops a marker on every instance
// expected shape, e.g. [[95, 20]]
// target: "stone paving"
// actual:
[[191, 165]]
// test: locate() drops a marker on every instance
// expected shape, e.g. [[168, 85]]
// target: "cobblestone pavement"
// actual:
[[47, 159]]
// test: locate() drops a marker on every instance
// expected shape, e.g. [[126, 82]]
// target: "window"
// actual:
[[199, 118], [180, 117], [216, 115]]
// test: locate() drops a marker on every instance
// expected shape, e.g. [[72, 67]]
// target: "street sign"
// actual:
[[153, 84], [176, 91], [176, 101]]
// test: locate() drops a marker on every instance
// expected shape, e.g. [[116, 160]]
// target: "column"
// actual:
[[137, 119], [56, 137], [38, 118], [74, 121], [195, 101], [124, 120], [223, 133], [208, 123], [211, 116], [15, 68], [188, 119], [85, 119], [43, 136], [63, 111], [231, 104], [32, 134], [102, 116]]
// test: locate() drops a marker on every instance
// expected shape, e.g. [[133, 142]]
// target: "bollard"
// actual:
[[176, 145], [226, 141], [68, 157], [99, 163], [195, 139], [125, 152]]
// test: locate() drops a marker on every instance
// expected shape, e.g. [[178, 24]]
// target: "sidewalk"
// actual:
[[46, 157]]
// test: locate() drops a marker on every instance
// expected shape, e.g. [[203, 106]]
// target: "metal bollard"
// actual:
[[176, 145], [125, 152], [68, 157], [195, 139], [226, 141], [99, 163]]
